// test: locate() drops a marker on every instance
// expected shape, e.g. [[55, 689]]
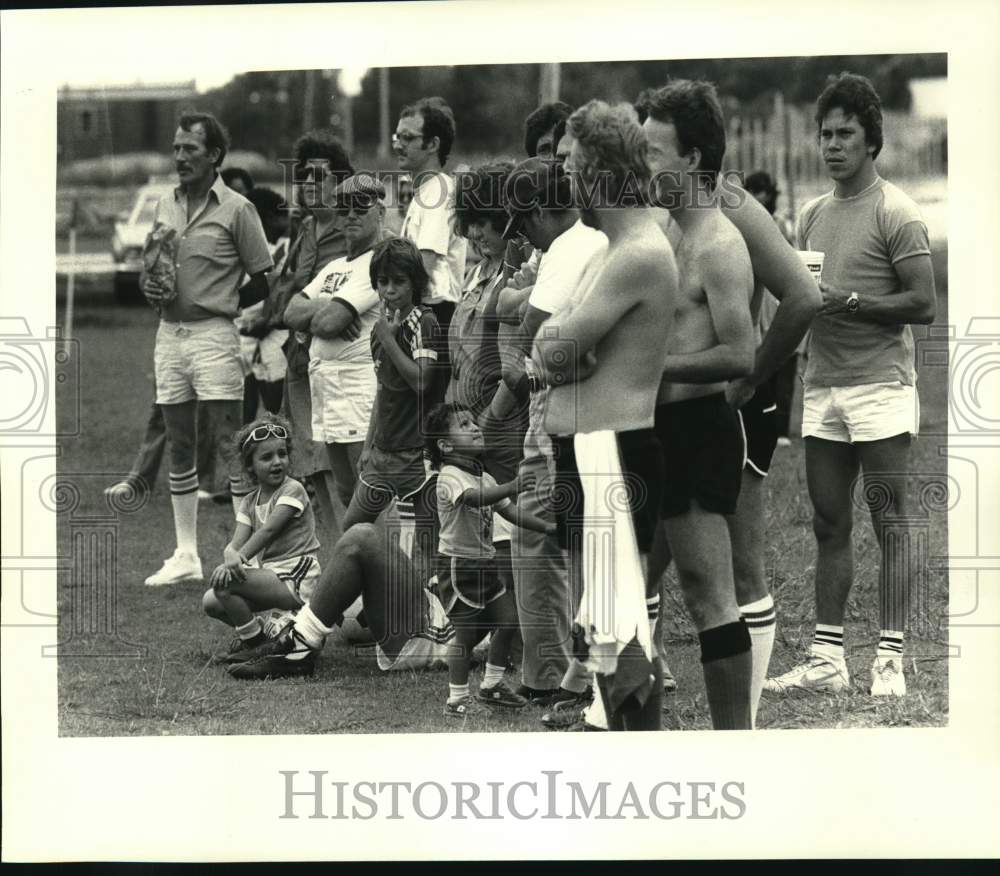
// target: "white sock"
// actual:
[[653, 613], [185, 505], [250, 629], [828, 642], [577, 677], [492, 676], [310, 628], [760, 620], [594, 714], [238, 488], [890, 644], [457, 692]]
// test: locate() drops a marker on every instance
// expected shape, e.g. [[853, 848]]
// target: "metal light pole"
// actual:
[[548, 83], [382, 150]]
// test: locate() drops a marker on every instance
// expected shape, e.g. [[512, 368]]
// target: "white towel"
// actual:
[[613, 609]]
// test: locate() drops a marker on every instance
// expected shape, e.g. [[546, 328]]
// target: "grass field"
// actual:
[[172, 689]]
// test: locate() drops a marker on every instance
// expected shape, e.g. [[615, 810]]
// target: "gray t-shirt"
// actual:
[[298, 537], [864, 237]]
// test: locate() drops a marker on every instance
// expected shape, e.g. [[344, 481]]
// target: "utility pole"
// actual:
[[548, 83], [384, 134]]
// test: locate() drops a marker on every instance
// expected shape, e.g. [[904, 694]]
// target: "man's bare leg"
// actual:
[[831, 467], [699, 542], [226, 417], [886, 465]]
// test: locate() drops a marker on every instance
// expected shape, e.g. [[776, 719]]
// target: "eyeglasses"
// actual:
[[359, 203], [405, 138], [262, 433]]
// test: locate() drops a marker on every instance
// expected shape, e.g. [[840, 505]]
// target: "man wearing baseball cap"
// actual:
[[341, 371]]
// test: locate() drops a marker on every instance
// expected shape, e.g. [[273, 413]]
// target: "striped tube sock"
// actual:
[[890, 643], [310, 628], [653, 613], [760, 619], [238, 488], [828, 642], [184, 499]]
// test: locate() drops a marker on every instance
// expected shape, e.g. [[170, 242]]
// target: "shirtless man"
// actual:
[[601, 355], [711, 342], [777, 270]]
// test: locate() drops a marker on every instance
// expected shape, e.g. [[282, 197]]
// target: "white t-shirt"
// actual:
[[561, 269], [465, 531], [430, 224], [346, 280], [562, 266]]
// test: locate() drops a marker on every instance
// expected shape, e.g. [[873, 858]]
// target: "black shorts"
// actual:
[[703, 454], [466, 586], [760, 429], [642, 465]]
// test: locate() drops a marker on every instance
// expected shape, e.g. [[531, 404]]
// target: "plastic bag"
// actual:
[[159, 259]]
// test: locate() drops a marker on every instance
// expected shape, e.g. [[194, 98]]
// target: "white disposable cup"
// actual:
[[814, 261]]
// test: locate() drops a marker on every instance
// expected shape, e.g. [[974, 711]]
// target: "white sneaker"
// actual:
[[887, 678], [204, 496], [179, 568], [784, 442], [817, 674]]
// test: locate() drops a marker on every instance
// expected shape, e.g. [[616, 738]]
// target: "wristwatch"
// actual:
[[853, 303]]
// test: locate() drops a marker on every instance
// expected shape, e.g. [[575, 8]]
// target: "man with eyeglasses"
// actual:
[[341, 372], [423, 140]]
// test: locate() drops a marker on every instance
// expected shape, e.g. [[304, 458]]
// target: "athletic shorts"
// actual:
[[264, 357], [464, 584], [703, 454], [198, 360], [299, 574], [867, 412], [395, 472], [760, 430], [342, 401], [642, 465]]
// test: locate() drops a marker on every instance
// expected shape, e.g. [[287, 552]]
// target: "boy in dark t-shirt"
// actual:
[[406, 343]]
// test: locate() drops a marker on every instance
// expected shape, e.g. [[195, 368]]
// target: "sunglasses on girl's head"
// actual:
[[358, 203], [262, 433]]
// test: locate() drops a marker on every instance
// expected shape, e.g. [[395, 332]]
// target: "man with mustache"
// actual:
[[210, 237]]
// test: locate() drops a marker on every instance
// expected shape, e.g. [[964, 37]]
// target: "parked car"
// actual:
[[130, 235]]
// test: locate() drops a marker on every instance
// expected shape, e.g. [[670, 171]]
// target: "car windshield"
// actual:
[[147, 211]]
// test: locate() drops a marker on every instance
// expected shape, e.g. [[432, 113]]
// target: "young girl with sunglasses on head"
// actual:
[[271, 560]]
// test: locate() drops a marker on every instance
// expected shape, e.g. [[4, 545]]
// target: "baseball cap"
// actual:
[[535, 182], [363, 184]]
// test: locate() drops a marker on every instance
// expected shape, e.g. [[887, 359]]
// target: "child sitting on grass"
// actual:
[[271, 560], [476, 600]]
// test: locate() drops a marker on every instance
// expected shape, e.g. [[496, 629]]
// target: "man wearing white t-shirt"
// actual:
[[423, 139], [341, 373], [539, 203]]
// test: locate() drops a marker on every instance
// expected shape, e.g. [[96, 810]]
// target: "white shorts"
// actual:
[[299, 574], [867, 412], [264, 357], [342, 401], [198, 360]]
